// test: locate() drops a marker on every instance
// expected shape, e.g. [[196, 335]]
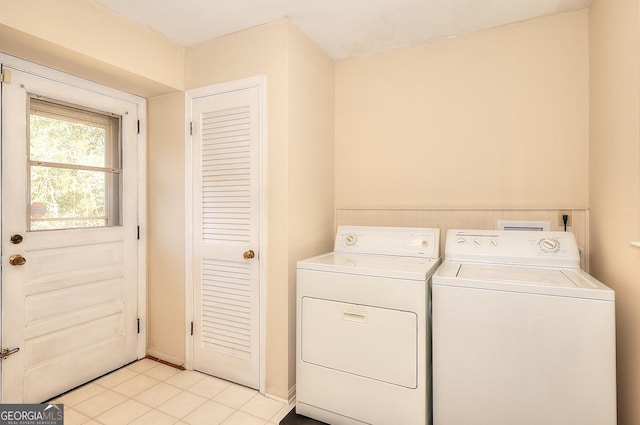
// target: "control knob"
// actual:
[[549, 245]]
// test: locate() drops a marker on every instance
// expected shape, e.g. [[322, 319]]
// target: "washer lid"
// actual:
[[515, 274], [532, 280], [411, 268]]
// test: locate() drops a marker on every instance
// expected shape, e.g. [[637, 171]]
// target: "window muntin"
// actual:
[[74, 167]]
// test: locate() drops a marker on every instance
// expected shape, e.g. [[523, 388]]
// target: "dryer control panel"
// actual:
[[394, 241], [527, 248]]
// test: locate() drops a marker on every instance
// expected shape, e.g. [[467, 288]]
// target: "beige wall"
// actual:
[[310, 168], [166, 223], [495, 119], [614, 179], [85, 39], [299, 131]]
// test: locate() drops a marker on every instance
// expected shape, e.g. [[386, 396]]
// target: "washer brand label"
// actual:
[[31, 414]]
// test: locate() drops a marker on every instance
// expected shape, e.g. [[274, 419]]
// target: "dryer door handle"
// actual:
[[355, 316]]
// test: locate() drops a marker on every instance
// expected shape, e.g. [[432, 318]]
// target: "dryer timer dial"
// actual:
[[350, 239]]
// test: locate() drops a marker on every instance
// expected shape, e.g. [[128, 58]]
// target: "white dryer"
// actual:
[[363, 336], [521, 335]]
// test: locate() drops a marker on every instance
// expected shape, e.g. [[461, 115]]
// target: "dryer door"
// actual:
[[373, 342]]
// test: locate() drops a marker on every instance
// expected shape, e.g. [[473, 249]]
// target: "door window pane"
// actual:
[[74, 167]]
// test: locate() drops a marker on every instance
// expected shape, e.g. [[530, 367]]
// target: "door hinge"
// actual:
[[6, 352], [191, 328], [138, 324], [5, 76], [138, 126], [191, 128], [138, 233]]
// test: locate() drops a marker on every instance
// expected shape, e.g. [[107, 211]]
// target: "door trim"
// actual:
[[62, 77], [190, 96]]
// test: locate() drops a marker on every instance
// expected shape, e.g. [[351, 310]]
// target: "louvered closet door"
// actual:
[[226, 286]]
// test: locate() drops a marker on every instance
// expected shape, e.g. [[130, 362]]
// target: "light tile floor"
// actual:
[[150, 393]]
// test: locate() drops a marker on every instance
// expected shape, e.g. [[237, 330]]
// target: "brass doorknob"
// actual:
[[247, 255], [17, 260]]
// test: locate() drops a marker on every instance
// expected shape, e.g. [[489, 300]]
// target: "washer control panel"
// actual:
[[544, 249], [396, 241]]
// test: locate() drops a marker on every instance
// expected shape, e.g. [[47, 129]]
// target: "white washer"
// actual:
[[362, 327], [521, 335]]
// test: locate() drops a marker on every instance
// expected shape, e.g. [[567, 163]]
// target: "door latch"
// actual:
[[6, 352]]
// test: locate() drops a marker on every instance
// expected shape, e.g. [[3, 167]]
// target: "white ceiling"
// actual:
[[342, 28]]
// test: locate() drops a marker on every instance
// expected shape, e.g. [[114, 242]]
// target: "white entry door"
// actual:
[[226, 218], [69, 235]]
